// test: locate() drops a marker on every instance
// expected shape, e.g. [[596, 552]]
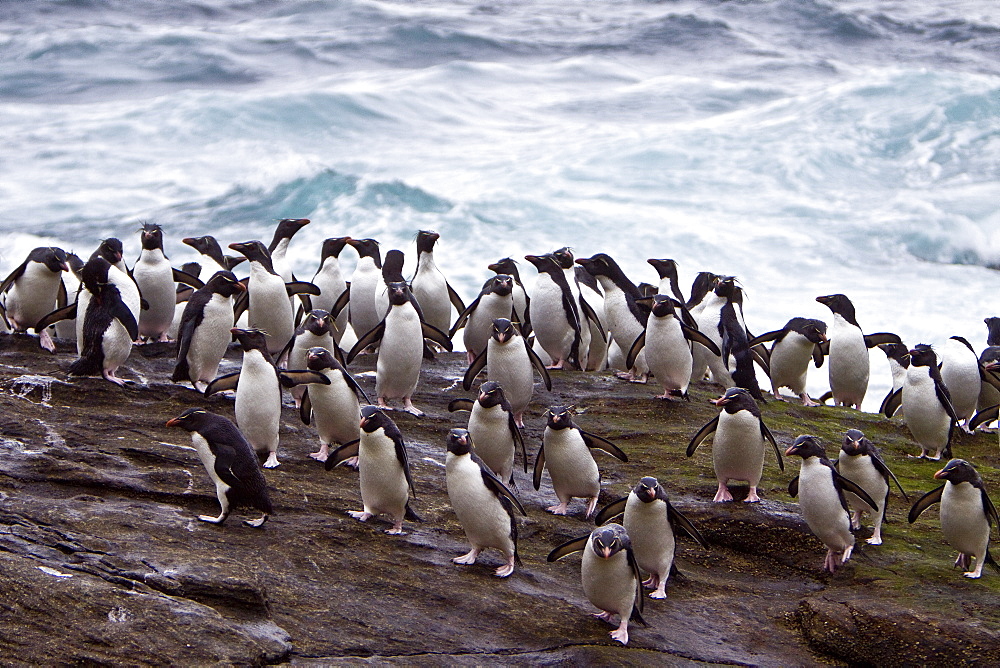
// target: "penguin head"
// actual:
[[392, 268], [367, 248], [319, 358], [505, 266], [993, 329], [193, 268], [663, 306], [503, 330], [332, 247], [896, 351], [426, 240], [53, 258], [599, 265], [609, 540], [543, 263], [373, 419], [958, 471], [501, 284], [704, 283], [225, 283], [736, 399], [806, 447], [399, 293], [855, 443], [459, 442], [990, 358], [151, 236], [491, 394], [563, 257], [560, 417], [75, 263], [319, 322], [255, 251], [206, 245], [814, 330], [95, 274], [647, 290], [923, 355], [840, 305], [193, 419], [111, 249], [286, 229], [648, 490], [728, 288], [251, 339], [664, 268]]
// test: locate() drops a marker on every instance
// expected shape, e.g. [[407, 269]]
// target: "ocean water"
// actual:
[[805, 146]]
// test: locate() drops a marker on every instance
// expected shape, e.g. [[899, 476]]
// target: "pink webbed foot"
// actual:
[[468, 558], [45, 340], [272, 461], [807, 400], [621, 633], [396, 530], [360, 515], [591, 506], [558, 509], [752, 496], [410, 408], [606, 616], [722, 494], [110, 375], [322, 454], [505, 570]]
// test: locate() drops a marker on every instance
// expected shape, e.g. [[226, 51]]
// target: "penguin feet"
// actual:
[[214, 520], [110, 375], [856, 520], [591, 506], [45, 340], [660, 591], [722, 494], [468, 558], [360, 515], [807, 400], [322, 454], [410, 408], [351, 462], [751, 497], [606, 616], [621, 633], [256, 524], [874, 540], [830, 563], [558, 366], [396, 530], [964, 561], [272, 461], [558, 509], [505, 570]]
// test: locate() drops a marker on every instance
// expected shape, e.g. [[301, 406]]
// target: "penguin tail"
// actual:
[[989, 560], [410, 515], [180, 373], [637, 617], [85, 367], [675, 573]]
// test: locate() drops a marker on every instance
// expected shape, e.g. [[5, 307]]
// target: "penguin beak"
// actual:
[[173, 422], [791, 450], [940, 475], [721, 401], [822, 338], [240, 286], [606, 552]]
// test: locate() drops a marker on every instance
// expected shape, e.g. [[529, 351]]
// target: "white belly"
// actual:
[[790, 359], [155, 278], [269, 308], [548, 318], [963, 521], [400, 354], [383, 484], [364, 312], [258, 402], [490, 431], [211, 339], [508, 364], [821, 507], [926, 418], [571, 465], [431, 290], [960, 373], [858, 468], [477, 327], [336, 409], [32, 296], [652, 538], [608, 583], [668, 353], [849, 363], [117, 346], [331, 284], [483, 518], [738, 448]]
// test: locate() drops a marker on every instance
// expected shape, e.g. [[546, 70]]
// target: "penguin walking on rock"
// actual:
[[484, 505], [821, 489], [365, 283], [333, 406], [155, 277], [738, 443], [522, 303], [32, 290], [316, 330], [109, 325], [651, 522], [111, 251], [431, 288], [609, 574], [333, 288], [795, 345], [861, 462], [495, 300], [494, 430], [898, 356], [230, 462], [926, 401], [556, 311], [566, 453], [205, 332], [383, 468], [967, 515], [961, 374]]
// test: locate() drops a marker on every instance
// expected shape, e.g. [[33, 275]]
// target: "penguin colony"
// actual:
[[583, 314]]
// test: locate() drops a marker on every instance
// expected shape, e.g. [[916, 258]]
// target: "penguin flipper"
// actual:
[[496, 486], [187, 279], [352, 382], [986, 375], [611, 511], [343, 453], [762, 357], [568, 548], [635, 349], [595, 442], [925, 502], [848, 485], [985, 416], [697, 336], [477, 365], [404, 461], [891, 403], [989, 508], [463, 317], [341, 302], [122, 314], [941, 390], [793, 487], [460, 405], [64, 313], [222, 383], [872, 340], [515, 433], [707, 430], [242, 304], [408, 514], [591, 315], [436, 335], [678, 520], [766, 433], [301, 377], [13, 276], [639, 596], [539, 365], [824, 347], [225, 457], [818, 356], [455, 299], [770, 336], [301, 288], [305, 407], [286, 351], [372, 337], [536, 479], [882, 468]]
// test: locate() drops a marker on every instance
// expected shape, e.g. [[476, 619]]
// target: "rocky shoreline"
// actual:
[[104, 562]]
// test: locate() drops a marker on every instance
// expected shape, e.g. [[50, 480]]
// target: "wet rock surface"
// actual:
[[102, 558]]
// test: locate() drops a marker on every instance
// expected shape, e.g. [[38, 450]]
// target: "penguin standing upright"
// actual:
[[316, 330], [738, 444], [66, 328], [592, 300], [392, 272], [508, 360], [493, 429], [365, 283], [522, 303], [609, 574], [495, 300], [229, 461], [795, 345], [721, 320], [109, 326], [211, 253], [565, 452], [591, 325], [925, 399], [182, 294], [651, 522], [967, 514], [383, 468], [820, 489], [483, 504], [333, 406], [961, 374], [205, 330], [861, 462], [430, 287], [898, 356], [155, 278], [333, 292], [667, 271], [32, 290], [278, 247], [556, 319], [989, 360], [111, 250]]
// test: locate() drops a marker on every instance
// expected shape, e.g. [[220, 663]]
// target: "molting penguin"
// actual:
[[610, 575], [961, 374], [820, 489], [522, 310], [495, 300], [430, 287], [333, 406], [333, 292], [493, 429], [556, 317], [204, 333], [738, 444], [383, 468], [367, 279], [967, 514], [925, 399], [651, 522], [278, 247], [155, 278], [795, 345], [109, 326], [32, 291], [565, 452], [230, 462], [110, 250], [861, 462], [483, 504]]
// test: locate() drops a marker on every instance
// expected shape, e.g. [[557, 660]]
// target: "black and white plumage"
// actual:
[[494, 430], [365, 285], [989, 361], [967, 514], [566, 454], [593, 336], [383, 468], [333, 291], [898, 356], [652, 523], [315, 331], [204, 333], [861, 462], [495, 300], [332, 407], [111, 250], [508, 360], [484, 505], [666, 269], [278, 248], [609, 574], [230, 462], [926, 401], [392, 272], [961, 374], [738, 443], [431, 288], [795, 345], [721, 319], [522, 303], [109, 325], [212, 254], [556, 317], [155, 277], [821, 489], [32, 291]]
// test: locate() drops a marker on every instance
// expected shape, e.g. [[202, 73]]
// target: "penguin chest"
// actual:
[[738, 447], [400, 353], [32, 296], [335, 409], [571, 464], [926, 418], [608, 583], [208, 460], [668, 352], [381, 476], [490, 431], [477, 328], [116, 345], [549, 320], [963, 520], [258, 401], [210, 338], [622, 324], [508, 364], [155, 278], [330, 281], [303, 342], [431, 290], [651, 535], [849, 362], [960, 373], [483, 518], [859, 469], [127, 288], [270, 310], [363, 312], [821, 508], [790, 360]]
